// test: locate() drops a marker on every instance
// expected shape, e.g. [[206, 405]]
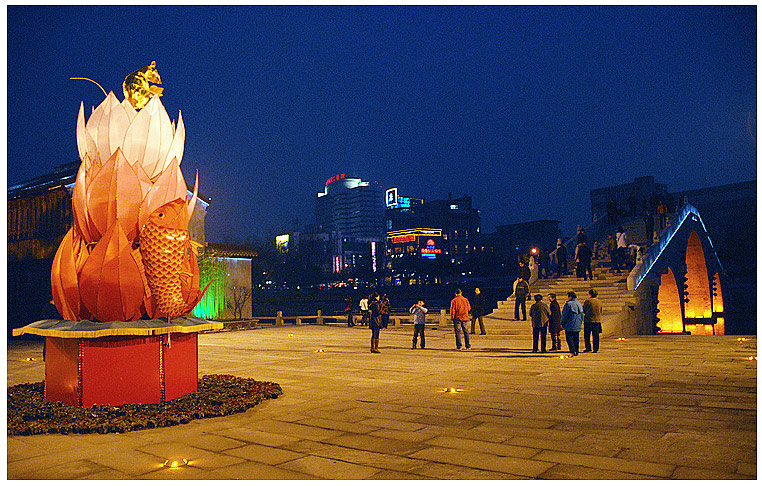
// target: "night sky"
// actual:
[[526, 109]]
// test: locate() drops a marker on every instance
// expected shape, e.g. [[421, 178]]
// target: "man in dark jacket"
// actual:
[[540, 316], [584, 261], [554, 326], [543, 263], [561, 258], [523, 271], [521, 293], [477, 311]]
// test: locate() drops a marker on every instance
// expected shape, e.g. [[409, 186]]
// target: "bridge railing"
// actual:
[[640, 270], [435, 316]]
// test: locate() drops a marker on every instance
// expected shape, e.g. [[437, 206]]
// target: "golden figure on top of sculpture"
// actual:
[[137, 86]]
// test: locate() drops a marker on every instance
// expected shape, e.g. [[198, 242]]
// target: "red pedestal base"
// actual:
[[115, 370]]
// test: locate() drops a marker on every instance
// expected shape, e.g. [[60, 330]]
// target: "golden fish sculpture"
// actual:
[[165, 246]]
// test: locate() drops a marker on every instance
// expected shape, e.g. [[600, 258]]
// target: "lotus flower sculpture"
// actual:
[[129, 252]]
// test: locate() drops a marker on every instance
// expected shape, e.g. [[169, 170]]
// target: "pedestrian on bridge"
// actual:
[[593, 309], [571, 321]]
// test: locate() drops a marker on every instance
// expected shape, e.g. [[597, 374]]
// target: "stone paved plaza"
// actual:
[[650, 407]]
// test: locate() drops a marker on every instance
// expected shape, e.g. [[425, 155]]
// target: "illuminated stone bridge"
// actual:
[[678, 285]]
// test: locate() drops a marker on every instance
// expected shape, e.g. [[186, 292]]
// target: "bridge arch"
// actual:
[[670, 309]]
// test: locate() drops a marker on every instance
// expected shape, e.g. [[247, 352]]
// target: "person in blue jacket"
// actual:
[[571, 322]]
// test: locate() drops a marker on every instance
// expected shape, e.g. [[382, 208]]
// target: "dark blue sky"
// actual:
[[524, 108]]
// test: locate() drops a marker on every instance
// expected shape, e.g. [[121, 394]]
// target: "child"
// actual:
[[419, 320]]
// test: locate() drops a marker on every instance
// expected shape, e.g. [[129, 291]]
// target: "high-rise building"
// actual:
[[351, 207]]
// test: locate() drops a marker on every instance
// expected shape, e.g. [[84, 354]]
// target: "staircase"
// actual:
[[612, 292]]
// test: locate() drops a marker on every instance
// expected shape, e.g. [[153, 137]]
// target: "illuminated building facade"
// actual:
[[351, 207]]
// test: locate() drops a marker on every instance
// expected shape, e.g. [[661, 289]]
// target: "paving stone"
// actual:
[[481, 460], [387, 475], [67, 470], [172, 450], [295, 430], [356, 456], [375, 444], [683, 472], [483, 446], [747, 469], [392, 424], [513, 421], [440, 470], [214, 460], [610, 463], [264, 454], [329, 468], [256, 436], [324, 423], [421, 435], [569, 471], [132, 463], [572, 446]]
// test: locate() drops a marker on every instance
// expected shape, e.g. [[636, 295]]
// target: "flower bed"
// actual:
[[217, 395]]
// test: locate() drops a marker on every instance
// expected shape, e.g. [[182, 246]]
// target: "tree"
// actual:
[[236, 299]]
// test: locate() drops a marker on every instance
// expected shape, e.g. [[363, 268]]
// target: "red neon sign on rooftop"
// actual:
[[335, 178]]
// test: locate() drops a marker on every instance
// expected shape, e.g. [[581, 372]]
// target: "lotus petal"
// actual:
[[169, 186], [129, 109], [149, 138], [79, 205], [110, 284], [92, 129], [113, 195], [178, 145], [192, 203], [63, 279], [81, 133]]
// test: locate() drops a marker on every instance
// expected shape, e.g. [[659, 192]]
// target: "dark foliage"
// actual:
[[217, 395]]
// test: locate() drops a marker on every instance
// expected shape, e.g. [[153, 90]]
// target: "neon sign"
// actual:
[[335, 178], [429, 242], [431, 250], [403, 239], [391, 197]]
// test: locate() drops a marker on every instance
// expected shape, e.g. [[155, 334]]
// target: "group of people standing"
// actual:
[[571, 320], [375, 310]]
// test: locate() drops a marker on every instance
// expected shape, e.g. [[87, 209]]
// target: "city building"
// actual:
[[351, 207], [519, 238], [428, 240]]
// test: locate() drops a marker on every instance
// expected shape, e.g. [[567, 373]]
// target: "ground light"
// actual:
[[752, 358], [621, 339], [175, 463], [319, 351], [29, 359], [452, 390], [740, 340]]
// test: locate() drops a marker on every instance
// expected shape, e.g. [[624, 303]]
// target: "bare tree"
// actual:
[[236, 299]]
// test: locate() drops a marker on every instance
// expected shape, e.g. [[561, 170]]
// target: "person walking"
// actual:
[[621, 246], [521, 293], [584, 261], [477, 311], [419, 322], [554, 326], [348, 311], [561, 255], [648, 219], [571, 321], [364, 310], [543, 261], [662, 212], [374, 310], [386, 310], [593, 310], [540, 315], [459, 308]]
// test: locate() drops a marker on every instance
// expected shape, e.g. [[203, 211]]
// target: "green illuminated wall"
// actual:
[[212, 269]]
